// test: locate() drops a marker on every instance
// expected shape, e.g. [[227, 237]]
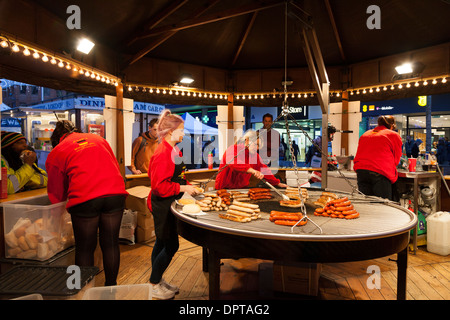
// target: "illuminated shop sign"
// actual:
[[141, 107], [408, 105]]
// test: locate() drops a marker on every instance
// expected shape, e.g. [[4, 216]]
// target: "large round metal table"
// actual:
[[381, 230]]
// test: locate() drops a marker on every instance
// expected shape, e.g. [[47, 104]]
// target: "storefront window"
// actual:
[[311, 127], [93, 122], [440, 127]]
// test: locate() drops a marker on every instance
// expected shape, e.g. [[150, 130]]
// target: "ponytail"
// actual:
[[167, 122]]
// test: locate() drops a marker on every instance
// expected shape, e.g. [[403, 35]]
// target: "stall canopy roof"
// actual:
[[193, 126], [5, 107]]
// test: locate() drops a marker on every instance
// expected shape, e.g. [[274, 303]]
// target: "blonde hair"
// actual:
[[167, 122]]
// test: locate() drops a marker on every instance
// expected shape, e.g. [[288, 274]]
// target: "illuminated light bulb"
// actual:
[[97, 78], [164, 91], [60, 64], [26, 52], [243, 97], [371, 90], [262, 96], [45, 58], [87, 74], [144, 89], [36, 55], [151, 90], [177, 93], [352, 93], [53, 61], [199, 94], [194, 94], [417, 84], [444, 80], [109, 81], [129, 88], [408, 85], [81, 71], [364, 91], [425, 83], [378, 89], [400, 86], [157, 91], [392, 87], [188, 94], [305, 96], [357, 92], [103, 79], [68, 67], [170, 92], [75, 68], [4, 44], [93, 75], [116, 84], [312, 94], [384, 88], [434, 81], [215, 96], [338, 94], [210, 95], [15, 48]]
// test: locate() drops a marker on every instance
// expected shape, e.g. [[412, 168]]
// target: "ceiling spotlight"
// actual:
[[85, 46], [186, 79], [404, 68]]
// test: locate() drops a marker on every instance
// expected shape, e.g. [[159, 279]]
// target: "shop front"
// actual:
[[424, 117], [309, 118]]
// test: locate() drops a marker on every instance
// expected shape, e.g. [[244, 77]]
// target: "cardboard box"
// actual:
[[137, 201], [144, 235], [210, 186], [298, 278]]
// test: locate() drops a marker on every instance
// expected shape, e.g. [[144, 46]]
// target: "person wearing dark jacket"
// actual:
[[408, 145], [83, 169], [441, 152], [415, 149]]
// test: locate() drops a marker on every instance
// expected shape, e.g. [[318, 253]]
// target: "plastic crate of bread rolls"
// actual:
[[35, 229]]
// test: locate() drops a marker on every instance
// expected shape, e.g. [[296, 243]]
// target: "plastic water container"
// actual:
[[122, 292], [438, 233]]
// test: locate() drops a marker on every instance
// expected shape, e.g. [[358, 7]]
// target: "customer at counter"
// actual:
[[167, 185], [240, 161], [20, 161], [143, 149], [378, 154], [82, 169]]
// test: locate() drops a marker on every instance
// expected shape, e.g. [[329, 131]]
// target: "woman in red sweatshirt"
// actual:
[[82, 169], [240, 161], [166, 175], [378, 154]]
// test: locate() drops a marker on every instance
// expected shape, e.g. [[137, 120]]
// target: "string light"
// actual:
[[30, 50]]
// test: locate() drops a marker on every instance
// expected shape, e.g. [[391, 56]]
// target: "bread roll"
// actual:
[[11, 240], [42, 250], [14, 252], [186, 201], [31, 240], [29, 254], [191, 208], [23, 244]]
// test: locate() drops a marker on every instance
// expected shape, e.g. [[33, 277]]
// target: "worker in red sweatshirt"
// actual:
[[168, 184], [378, 154], [82, 169], [240, 161]]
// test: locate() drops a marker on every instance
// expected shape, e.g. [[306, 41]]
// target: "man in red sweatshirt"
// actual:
[[378, 154]]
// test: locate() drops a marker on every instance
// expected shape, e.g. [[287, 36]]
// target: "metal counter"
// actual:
[[381, 230]]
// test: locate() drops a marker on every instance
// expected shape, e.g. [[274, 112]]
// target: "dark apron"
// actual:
[[165, 221]]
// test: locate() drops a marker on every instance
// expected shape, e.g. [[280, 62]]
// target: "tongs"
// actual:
[[285, 197]]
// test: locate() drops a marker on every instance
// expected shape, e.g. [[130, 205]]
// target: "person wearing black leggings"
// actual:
[[83, 170]]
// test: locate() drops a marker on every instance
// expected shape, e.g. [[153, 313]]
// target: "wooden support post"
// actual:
[[120, 129]]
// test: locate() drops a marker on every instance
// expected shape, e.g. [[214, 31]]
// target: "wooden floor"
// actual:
[[248, 279]]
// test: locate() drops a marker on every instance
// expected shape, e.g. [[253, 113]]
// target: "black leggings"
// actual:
[[104, 215]]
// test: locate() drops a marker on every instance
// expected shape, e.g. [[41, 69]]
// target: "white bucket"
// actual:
[[438, 233]]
